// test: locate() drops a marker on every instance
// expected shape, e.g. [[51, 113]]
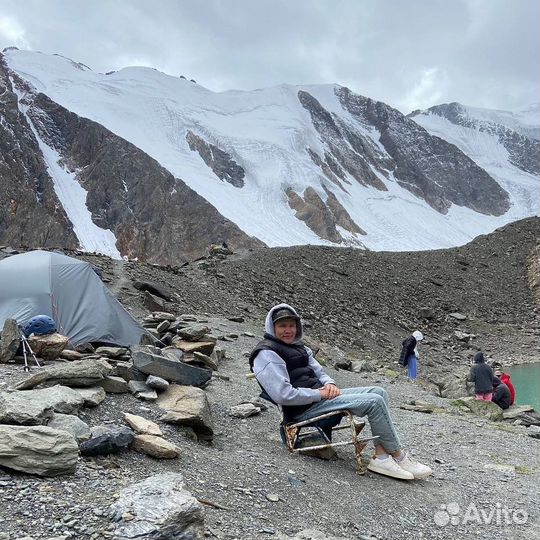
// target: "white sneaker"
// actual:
[[389, 467], [412, 466]]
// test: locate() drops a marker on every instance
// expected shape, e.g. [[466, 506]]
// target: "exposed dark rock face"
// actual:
[[154, 216], [30, 213], [224, 167], [418, 164], [316, 215], [339, 139], [342, 217], [523, 147]]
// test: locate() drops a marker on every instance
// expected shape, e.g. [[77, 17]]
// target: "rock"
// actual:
[[418, 406], [10, 340], [111, 352], [463, 336], [155, 446], [49, 346], [159, 316], [171, 370], [107, 440], [92, 396], [78, 373], [114, 385], [534, 431], [158, 507], [516, 410], [85, 348], [205, 347], [153, 302], [140, 390], [154, 288], [34, 407], [359, 366], [208, 361], [193, 332], [157, 383], [391, 373], [187, 405], [236, 318], [39, 450], [487, 409], [68, 354], [457, 316], [244, 410], [142, 425], [72, 424], [163, 326], [426, 313]]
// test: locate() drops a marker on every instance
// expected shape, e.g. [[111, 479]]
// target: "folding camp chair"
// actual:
[[325, 425]]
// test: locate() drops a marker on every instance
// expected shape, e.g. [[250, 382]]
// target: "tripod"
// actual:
[[27, 350]]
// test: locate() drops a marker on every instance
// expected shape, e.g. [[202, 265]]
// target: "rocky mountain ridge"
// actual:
[[168, 167]]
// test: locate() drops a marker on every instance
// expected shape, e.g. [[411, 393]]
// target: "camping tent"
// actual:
[[69, 291]]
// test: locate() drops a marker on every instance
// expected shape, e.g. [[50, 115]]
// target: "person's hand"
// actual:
[[329, 391]]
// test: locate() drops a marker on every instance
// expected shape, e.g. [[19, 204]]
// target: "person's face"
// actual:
[[285, 330]]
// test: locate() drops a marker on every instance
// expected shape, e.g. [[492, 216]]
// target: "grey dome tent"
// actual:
[[69, 291]]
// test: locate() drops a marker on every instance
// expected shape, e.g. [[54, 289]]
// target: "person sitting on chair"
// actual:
[[287, 371]]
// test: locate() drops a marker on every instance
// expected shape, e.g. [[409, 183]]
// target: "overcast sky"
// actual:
[[408, 53]]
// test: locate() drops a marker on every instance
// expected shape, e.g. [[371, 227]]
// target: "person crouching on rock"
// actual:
[[501, 394], [409, 354], [482, 376], [288, 372]]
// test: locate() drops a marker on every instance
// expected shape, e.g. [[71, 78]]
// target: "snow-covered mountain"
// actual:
[[504, 143], [144, 164]]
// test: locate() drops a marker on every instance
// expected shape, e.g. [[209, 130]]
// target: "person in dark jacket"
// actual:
[[505, 379], [501, 394], [292, 378], [482, 376], [409, 354]]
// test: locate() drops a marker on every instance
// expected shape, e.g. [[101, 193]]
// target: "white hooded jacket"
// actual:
[[271, 371]]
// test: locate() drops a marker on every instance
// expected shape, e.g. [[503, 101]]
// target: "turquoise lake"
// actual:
[[526, 380]]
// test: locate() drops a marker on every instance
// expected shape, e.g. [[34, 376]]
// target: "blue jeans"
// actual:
[[370, 401], [412, 367]]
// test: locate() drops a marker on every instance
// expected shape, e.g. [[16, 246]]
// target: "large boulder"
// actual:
[[79, 373], [34, 407], [142, 425], [107, 440], [49, 346], [154, 446], [158, 508], [187, 405], [72, 424], [10, 340], [479, 407], [169, 369], [92, 395], [38, 450]]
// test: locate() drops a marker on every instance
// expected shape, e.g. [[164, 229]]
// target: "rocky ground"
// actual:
[[358, 306]]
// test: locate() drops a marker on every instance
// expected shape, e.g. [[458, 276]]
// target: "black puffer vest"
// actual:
[[296, 361]]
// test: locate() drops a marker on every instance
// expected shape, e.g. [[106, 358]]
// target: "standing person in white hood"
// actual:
[[289, 374], [409, 354]]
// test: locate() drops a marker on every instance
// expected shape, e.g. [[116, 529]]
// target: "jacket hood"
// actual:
[[269, 325], [479, 358]]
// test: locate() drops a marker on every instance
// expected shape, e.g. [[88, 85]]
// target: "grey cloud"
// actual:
[[410, 54]]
